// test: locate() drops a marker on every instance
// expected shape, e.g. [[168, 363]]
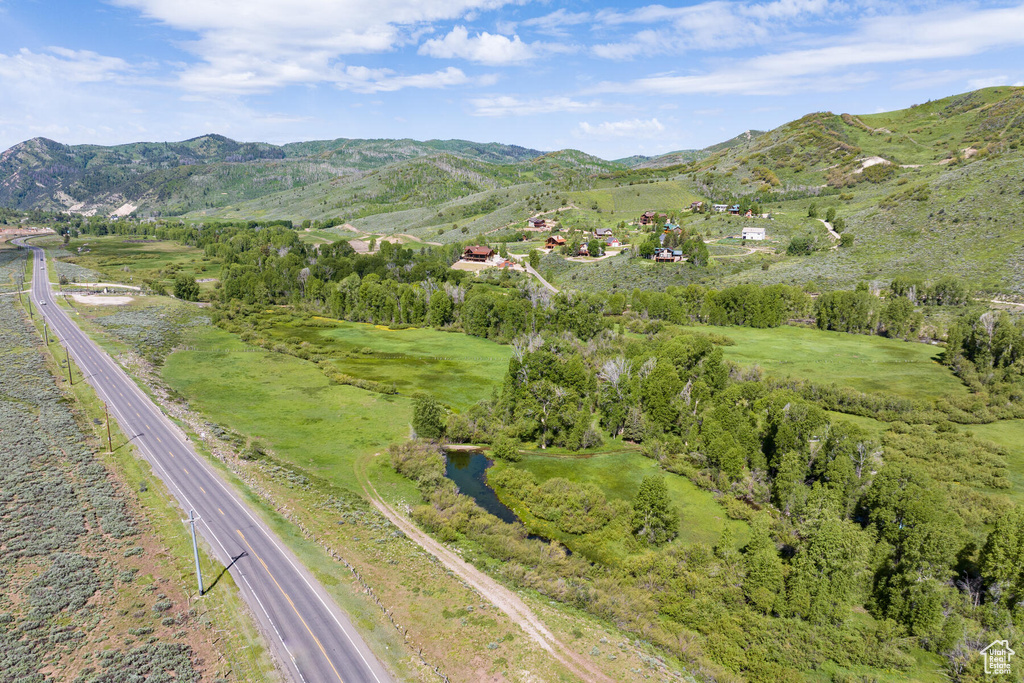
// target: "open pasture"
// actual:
[[456, 369], [861, 362], [618, 475], [287, 403], [137, 260]]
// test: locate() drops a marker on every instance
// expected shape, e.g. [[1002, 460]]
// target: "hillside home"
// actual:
[[734, 210], [583, 250], [603, 232], [753, 234], [477, 253], [720, 208], [648, 217], [554, 241], [612, 242], [537, 223], [696, 206], [665, 255]]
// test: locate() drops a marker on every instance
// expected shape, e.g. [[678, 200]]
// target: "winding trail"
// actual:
[[531, 271], [500, 596]]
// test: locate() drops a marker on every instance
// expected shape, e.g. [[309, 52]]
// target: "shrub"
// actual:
[[506, 447], [421, 461]]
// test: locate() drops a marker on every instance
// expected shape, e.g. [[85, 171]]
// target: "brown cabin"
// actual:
[[477, 253], [554, 241], [537, 222], [648, 218]]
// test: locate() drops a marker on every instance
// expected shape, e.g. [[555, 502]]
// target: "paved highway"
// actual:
[[313, 639]]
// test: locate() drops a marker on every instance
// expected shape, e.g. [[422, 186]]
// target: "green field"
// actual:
[[1010, 435], [287, 403], [861, 362], [457, 369], [619, 475], [134, 260]]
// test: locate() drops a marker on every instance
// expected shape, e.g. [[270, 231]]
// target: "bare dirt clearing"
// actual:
[[101, 300]]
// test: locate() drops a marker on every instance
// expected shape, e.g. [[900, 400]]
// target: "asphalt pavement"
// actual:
[[312, 638]]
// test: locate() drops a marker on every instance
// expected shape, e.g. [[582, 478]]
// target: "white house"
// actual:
[[752, 233]]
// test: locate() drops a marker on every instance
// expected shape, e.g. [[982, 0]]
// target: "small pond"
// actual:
[[468, 469]]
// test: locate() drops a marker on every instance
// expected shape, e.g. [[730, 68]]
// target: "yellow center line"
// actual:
[[202, 489], [221, 511], [315, 639], [159, 439]]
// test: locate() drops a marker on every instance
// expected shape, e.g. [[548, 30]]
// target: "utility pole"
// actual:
[[195, 549], [67, 356], [110, 446], [46, 334]]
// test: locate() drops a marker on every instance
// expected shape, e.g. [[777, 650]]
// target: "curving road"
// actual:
[[314, 641]]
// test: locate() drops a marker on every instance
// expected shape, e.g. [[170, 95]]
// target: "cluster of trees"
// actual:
[[692, 247], [745, 305], [862, 312]]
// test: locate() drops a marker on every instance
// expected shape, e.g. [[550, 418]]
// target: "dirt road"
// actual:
[[501, 597]]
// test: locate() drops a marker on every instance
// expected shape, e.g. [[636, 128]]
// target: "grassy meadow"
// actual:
[[287, 403], [1009, 434], [135, 260], [619, 473], [456, 369], [861, 362]]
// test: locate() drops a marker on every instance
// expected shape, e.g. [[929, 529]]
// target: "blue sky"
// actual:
[[612, 79]]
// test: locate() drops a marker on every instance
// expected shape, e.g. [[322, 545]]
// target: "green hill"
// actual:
[[204, 172]]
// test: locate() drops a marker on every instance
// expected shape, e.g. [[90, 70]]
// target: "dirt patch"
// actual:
[[102, 300], [112, 285], [471, 267], [871, 161], [125, 209]]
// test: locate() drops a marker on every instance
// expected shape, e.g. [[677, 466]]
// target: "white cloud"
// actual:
[[632, 128], [487, 48], [715, 25], [557, 23], [943, 34], [507, 105], [644, 42], [60, 65], [258, 45]]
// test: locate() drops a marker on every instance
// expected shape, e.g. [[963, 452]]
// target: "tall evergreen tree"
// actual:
[[427, 417], [764, 584], [655, 520]]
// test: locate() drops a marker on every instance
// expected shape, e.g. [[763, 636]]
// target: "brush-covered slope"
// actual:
[[838, 149], [204, 172]]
